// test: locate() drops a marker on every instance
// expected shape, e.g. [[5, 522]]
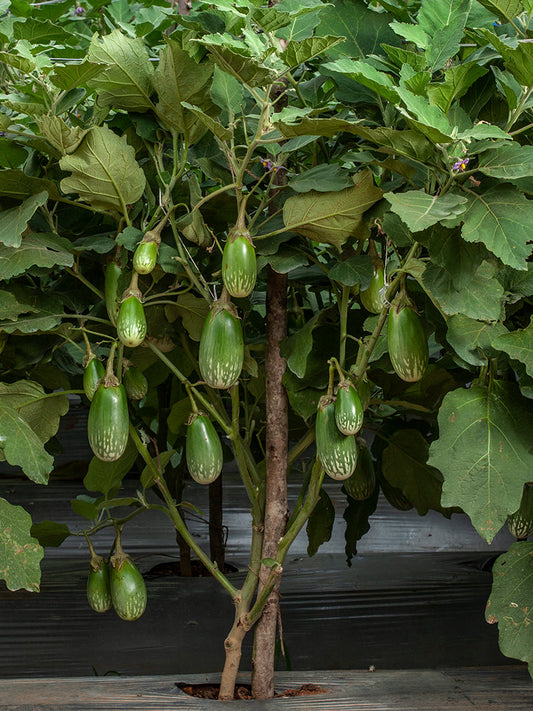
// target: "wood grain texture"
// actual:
[[497, 689]]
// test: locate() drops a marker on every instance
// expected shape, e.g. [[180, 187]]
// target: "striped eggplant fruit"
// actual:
[[203, 450], [408, 348], [239, 265], [221, 353], [337, 452], [108, 423]]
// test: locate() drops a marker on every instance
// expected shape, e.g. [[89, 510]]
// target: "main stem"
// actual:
[[276, 507]]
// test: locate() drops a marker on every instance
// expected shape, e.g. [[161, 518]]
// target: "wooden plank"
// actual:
[[497, 689]]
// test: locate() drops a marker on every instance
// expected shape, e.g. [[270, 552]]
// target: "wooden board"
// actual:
[[508, 689]]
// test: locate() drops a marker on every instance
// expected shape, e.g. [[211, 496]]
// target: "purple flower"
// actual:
[[461, 164], [79, 10]]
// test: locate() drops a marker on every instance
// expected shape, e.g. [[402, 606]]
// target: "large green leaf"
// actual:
[[106, 476], [509, 603], [505, 9], [73, 76], [364, 31], [14, 222], [419, 210], [17, 185], [406, 143], [41, 250], [296, 348], [444, 21], [517, 344], [60, 134], [480, 298], [367, 75], [22, 447], [518, 60], [226, 91], [471, 339], [43, 312], [41, 413], [104, 171], [459, 258], [126, 82], [404, 466], [457, 80], [357, 516], [484, 453], [501, 219], [354, 270], [297, 53], [508, 161], [243, 68], [320, 523], [193, 311], [20, 554], [180, 78], [323, 178], [331, 217]]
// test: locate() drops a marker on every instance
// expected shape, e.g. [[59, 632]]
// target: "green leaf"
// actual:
[[22, 447], [419, 210], [17, 61], [320, 523], [11, 154], [405, 143], [518, 60], [303, 402], [147, 476], [17, 185], [508, 161], [60, 135], [45, 317], [500, 218], [106, 476], [357, 516], [41, 250], [226, 91], [298, 52], [459, 258], [243, 68], [39, 32], [354, 270], [471, 339], [367, 75], [50, 533], [444, 21], [177, 79], [412, 33], [504, 9], [331, 217], [364, 31], [178, 415], [126, 82], [404, 466], [322, 178], [216, 128], [429, 119], [11, 308], [14, 222], [297, 347], [193, 312], [73, 75], [104, 171], [20, 554], [484, 453], [457, 80], [85, 506], [517, 344], [509, 603], [41, 413], [480, 298]]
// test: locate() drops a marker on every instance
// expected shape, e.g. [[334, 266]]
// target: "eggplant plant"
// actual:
[[294, 217]]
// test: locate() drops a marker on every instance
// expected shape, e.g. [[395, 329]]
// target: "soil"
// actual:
[[170, 568], [243, 692]]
